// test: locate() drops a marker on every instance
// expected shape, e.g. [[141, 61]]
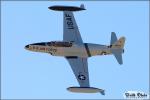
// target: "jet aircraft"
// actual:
[[75, 51]]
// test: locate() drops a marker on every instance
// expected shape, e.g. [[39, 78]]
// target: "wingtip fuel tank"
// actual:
[[67, 8], [86, 90]]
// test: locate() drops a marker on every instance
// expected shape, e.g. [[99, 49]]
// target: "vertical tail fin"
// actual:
[[117, 47]]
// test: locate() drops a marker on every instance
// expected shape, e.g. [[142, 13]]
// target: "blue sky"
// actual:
[[31, 75]]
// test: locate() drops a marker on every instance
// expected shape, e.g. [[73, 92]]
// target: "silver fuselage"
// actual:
[[76, 50]]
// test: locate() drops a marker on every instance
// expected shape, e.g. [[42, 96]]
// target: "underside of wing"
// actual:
[[70, 28], [80, 69]]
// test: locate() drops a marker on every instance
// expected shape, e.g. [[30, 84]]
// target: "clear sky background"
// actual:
[[32, 75]]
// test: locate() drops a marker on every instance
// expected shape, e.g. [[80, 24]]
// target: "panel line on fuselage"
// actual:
[[87, 49]]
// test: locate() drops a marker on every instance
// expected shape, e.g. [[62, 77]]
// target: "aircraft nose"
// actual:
[[27, 47]]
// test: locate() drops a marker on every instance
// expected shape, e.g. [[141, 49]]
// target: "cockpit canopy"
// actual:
[[55, 44], [59, 44]]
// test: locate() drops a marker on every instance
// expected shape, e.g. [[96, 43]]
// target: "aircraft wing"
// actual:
[[80, 69], [70, 28]]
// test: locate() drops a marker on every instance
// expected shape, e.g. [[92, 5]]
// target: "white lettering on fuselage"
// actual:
[[44, 49], [51, 50]]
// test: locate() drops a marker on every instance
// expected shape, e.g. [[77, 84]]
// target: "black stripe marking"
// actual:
[[71, 57], [87, 49]]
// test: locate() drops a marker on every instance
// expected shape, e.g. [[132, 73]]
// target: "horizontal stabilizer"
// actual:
[[117, 47], [113, 38], [118, 55], [86, 90]]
